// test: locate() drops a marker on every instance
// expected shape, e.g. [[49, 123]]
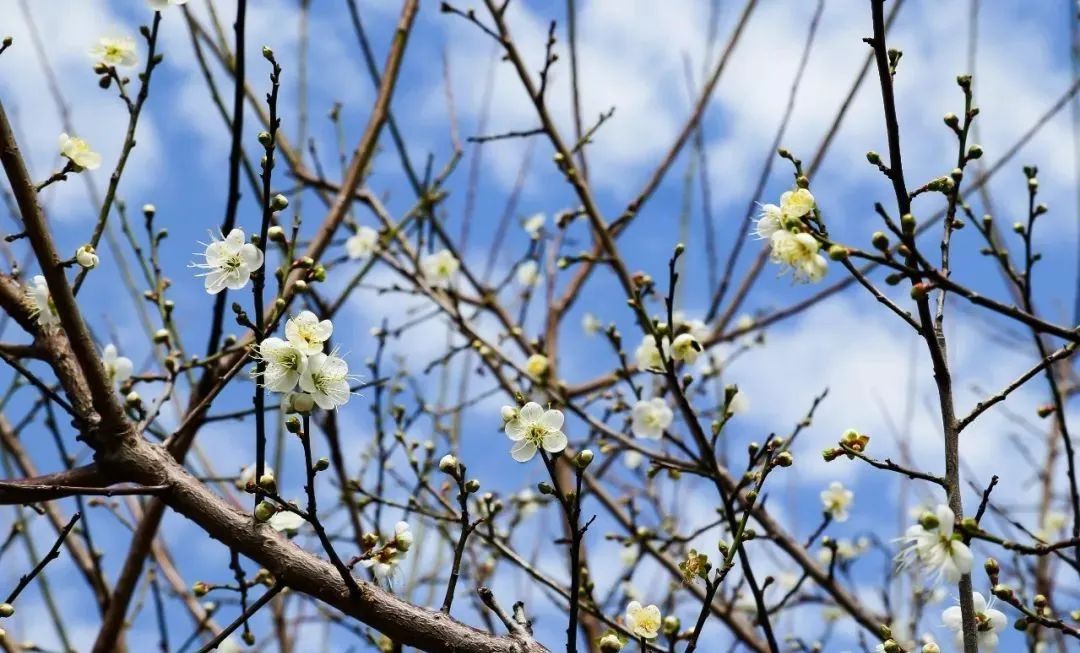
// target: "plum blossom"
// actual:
[[988, 623], [229, 262], [649, 418], [533, 428]]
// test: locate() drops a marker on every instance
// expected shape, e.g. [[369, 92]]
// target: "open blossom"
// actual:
[[117, 368], [78, 152], [686, 348], [384, 561], [307, 333], [114, 52], [591, 324], [362, 244], [536, 365], [86, 257], [647, 355], [799, 252], [326, 377], [229, 262], [528, 273], [42, 304], [794, 204], [650, 417], [643, 621], [836, 499], [988, 622], [533, 225], [440, 268], [284, 364], [932, 545], [533, 428], [286, 521]]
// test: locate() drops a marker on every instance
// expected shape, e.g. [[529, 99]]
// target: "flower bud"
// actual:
[[838, 252], [264, 138], [264, 511], [267, 53], [472, 486], [200, 589], [785, 459], [267, 482], [509, 413], [322, 464], [6, 610], [86, 257], [952, 120], [974, 152], [279, 202], [301, 402], [880, 240], [873, 157], [583, 458], [292, 424], [133, 400], [610, 643], [161, 337], [671, 625], [276, 234], [931, 648], [448, 464]]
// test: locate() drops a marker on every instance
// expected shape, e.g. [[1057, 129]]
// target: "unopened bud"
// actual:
[[279, 202]]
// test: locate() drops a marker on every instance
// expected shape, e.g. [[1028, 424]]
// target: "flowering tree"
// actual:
[[630, 507]]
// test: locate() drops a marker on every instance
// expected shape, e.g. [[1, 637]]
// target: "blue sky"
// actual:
[[632, 58]]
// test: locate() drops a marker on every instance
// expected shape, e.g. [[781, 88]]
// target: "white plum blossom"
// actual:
[[118, 51], [326, 377], [229, 262], [769, 221], [362, 244], [533, 225], [86, 257], [78, 152], [686, 348], [440, 268], [247, 475], [799, 252], [591, 324], [528, 273], [649, 418], [648, 356], [836, 499], [533, 428], [643, 621], [307, 333], [286, 521], [932, 545], [42, 306], [117, 368], [988, 623], [536, 366], [385, 561], [284, 364]]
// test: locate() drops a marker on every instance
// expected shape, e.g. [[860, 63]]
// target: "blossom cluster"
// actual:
[[792, 247], [299, 360]]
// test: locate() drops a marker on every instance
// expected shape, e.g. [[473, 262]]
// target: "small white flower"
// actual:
[[796, 203], [440, 268], [686, 348], [307, 333], [326, 377], [229, 262], [799, 252], [591, 324], [284, 364], [769, 221], [117, 368], [931, 544], [362, 244], [988, 622], [42, 304], [79, 153], [247, 475], [86, 257], [286, 521], [161, 5], [648, 356], [536, 365], [532, 428], [533, 225], [528, 273], [403, 537], [643, 621], [836, 499], [650, 417], [119, 51]]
